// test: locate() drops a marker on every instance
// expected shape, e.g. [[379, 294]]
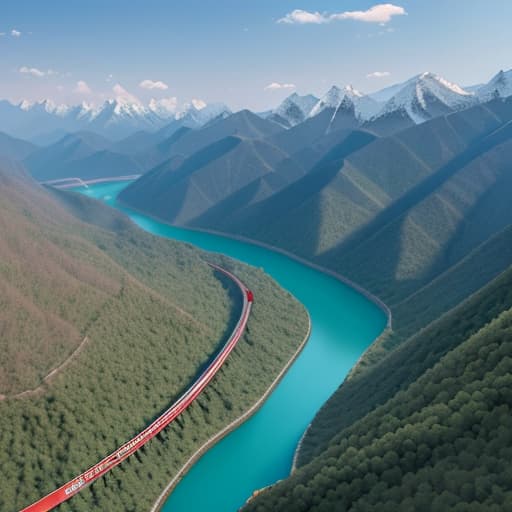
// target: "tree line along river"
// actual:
[[260, 452]]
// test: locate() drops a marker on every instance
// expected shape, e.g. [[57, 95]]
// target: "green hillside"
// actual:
[[184, 142], [181, 190], [422, 219], [428, 428], [151, 311]]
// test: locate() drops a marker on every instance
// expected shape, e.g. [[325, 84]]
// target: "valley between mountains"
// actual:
[[406, 192]]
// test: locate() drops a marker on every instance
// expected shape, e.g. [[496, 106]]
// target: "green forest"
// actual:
[[429, 428], [421, 218], [153, 313]]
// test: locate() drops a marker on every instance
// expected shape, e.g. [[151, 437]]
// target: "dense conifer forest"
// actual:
[[428, 428], [152, 313]]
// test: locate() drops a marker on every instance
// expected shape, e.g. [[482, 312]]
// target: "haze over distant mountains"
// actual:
[[44, 122], [124, 138], [421, 98], [405, 192]]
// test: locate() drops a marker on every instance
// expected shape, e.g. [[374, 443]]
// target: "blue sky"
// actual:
[[232, 50]]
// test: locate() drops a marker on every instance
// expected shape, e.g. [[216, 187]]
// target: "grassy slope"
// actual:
[[431, 432], [159, 313]]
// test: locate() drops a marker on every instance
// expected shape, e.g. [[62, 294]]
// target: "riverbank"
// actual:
[[159, 503], [345, 280], [344, 323], [79, 182]]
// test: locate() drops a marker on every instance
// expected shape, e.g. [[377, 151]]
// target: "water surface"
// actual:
[[260, 452]]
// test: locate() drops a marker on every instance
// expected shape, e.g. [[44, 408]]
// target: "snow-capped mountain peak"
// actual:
[[331, 99], [304, 103], [352, 92], [500, 86], [427, 95], [198, 113], [293, 110], [164, 108], [25, 105], [45, 106], [348, 96]]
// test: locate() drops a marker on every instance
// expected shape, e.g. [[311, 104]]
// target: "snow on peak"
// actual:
[[44, 106], [331, 99], [417, 94], [198, 113], [164, 108], [352, 92], [198, 104], [335, 97], [304, 103], [500, 86], [295, 108], [122, 107]]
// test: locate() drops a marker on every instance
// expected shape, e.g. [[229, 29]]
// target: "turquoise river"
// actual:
[[260, 452]]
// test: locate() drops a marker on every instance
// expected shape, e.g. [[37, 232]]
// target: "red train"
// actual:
[[66, 491]]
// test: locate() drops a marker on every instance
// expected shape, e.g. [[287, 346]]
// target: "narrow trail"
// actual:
[[66, 491], [50, 376]]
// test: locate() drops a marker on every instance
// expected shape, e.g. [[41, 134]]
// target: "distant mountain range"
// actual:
[[44, 122], [125, 138], [415, 101], [405, 192], [412, 202]]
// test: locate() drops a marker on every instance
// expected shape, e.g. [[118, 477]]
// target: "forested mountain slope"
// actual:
[[185, 141], [422, 219], [412, 217], [151, 312], [183, 189], [428, 428]]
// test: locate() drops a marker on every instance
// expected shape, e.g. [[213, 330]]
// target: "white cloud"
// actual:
[[82, 88], [15, 33], [109, 78], [123, 95], [379, 13], [150, 84], [36, 72], [378, 74], [33, 71], [301, 17], [275, 86]]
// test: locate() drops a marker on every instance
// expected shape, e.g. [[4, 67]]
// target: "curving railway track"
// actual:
[[68, 490]]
